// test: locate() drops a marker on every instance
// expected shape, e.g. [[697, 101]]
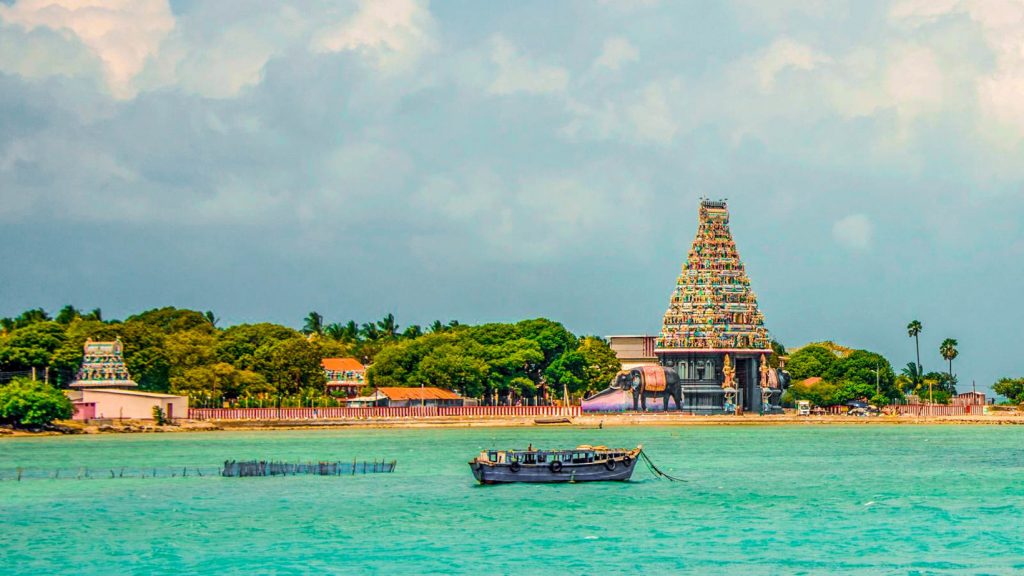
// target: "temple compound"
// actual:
[[713, 334], [103, 367], [713, 348]]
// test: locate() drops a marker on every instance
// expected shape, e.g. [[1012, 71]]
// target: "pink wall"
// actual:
[[84, 411]]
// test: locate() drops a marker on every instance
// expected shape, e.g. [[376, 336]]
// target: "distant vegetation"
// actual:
[[1011, 388], [29, 404], [846, 374], [187, 352]]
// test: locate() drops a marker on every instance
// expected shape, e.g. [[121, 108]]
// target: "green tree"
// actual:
[[949, 351], [291, 366], [388, 327], [570, 370], [412, 331], [810, 361], [170, 319], [238, 345], [31, 346], [601, 363], [454, 368], [866, 368], [190, 349], [313, 324], [220, 380], [914, 331], [211, 318], [67, 314], [1011, 388], [912, 375], [28, 404]]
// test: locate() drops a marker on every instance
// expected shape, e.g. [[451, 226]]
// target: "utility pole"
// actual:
[[876, 379]]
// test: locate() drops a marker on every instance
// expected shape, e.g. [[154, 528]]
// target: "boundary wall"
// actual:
[[377, 412]]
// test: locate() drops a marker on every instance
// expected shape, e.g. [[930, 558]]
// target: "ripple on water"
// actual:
[[757, 500]]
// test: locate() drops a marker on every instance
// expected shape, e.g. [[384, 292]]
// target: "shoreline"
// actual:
[[587, 421]]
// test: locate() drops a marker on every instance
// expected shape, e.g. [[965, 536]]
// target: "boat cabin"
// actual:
[[578, 456]]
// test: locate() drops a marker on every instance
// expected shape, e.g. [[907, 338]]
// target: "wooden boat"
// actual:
[[552, 420], [582, 464]]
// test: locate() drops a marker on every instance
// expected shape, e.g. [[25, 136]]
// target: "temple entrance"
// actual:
[[747, 385]]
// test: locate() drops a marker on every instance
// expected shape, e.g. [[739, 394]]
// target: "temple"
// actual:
[[103, 366], [713, 334]]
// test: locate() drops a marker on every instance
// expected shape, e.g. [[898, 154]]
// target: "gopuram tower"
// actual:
[[713, 333]]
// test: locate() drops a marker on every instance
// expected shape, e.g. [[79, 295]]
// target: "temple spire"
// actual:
[[712, 306]]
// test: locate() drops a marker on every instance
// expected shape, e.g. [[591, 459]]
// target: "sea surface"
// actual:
[[756, 500]]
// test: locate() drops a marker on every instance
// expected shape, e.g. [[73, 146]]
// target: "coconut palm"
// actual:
[[914, 330], [910, 371], [314, 324], [949, 352], [388, 326], [211, 318]]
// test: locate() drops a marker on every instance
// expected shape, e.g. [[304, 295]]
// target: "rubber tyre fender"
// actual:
[[555, 466], [514, 467], [610, 464], [627, 461]]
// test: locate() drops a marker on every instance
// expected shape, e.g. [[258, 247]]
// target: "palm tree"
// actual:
[[949, 352], [388, 326], [335, 331], [314, 324], [914, 330], [910, 371], [351, 332], [436, 327], [211, 318]]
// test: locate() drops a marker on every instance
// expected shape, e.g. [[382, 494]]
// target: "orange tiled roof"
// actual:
[[811, 381], [425, 393], [342, 365]]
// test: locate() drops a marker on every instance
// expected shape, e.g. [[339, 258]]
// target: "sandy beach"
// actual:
[[584, 421]]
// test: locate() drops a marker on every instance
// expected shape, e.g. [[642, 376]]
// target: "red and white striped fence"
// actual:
[[935, 410], [376, 412]]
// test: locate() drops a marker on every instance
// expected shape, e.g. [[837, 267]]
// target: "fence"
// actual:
[[250, 468], [231, 468], [934, 410], [378, 412]]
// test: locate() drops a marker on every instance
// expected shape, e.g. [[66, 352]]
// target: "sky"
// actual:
[[494, 161]]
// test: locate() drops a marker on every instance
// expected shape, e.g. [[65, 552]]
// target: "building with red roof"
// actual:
[[344, 375]]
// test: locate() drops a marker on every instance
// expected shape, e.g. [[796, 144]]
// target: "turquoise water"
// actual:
[[771, 500]]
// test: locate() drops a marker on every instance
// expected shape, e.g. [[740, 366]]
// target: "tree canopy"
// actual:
[[26, 403], [1011, 388], [184, 351]]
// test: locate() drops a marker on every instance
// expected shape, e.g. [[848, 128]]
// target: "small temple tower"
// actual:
[[103, 366], [713, 333]]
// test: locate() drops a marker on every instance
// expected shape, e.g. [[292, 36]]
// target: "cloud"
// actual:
[[653, 114], [616, 52], [1001, 23], [517, 73], [395, 34], [536, 218], [123, 34], [853, 232], [785, 54]]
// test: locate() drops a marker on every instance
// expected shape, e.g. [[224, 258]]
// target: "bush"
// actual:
[[28, 404]]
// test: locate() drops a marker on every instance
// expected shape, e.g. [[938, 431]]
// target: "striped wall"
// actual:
[[377, 412]]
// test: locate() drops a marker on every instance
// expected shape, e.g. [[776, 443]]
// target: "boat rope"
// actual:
[[654, 469]]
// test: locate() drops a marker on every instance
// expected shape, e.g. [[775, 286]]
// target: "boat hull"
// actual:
[[542, 474]]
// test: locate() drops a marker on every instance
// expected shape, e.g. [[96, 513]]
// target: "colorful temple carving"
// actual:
[[713, 333], [103, 366]]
